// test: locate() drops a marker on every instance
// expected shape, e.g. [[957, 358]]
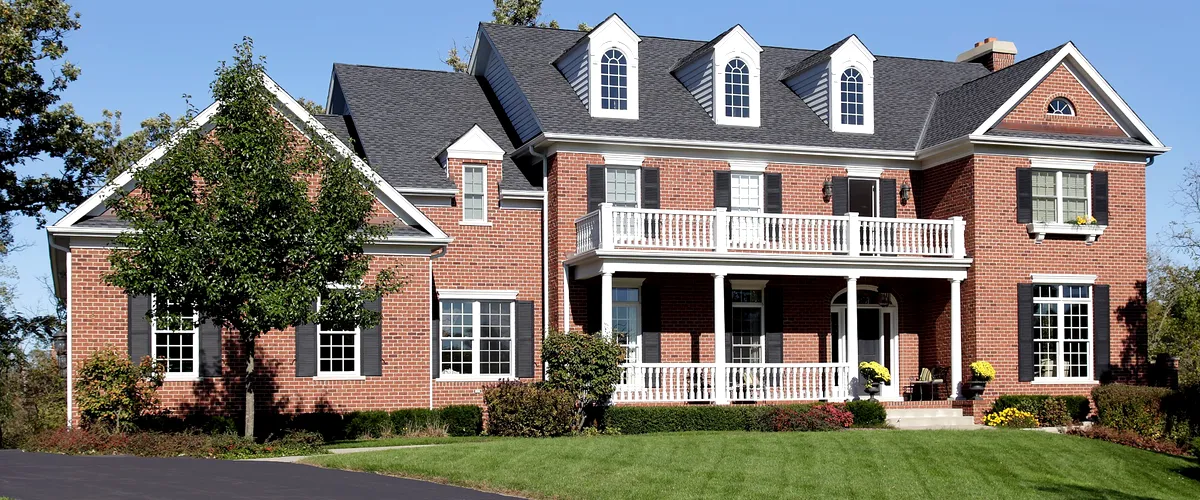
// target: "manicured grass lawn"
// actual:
[[407, 441], [854, 464]]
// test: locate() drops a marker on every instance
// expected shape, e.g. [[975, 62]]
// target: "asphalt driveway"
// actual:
[[32, 476]]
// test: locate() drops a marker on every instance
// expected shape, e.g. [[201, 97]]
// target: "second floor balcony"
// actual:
[[721, 231]]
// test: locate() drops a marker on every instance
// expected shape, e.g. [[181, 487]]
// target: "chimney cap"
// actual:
[[989, 45]]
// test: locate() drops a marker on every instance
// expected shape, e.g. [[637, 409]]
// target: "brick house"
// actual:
[[710, 205]]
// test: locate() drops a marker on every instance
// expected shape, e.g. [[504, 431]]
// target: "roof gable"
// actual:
[[1088, 117], [475, 144]]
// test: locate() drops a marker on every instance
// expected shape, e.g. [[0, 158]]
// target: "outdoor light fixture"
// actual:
[[905, 193], [827, 189], [885, 297], [59, 343]]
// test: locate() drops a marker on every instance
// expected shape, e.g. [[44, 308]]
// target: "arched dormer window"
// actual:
[[737, 89], [1060, 106], [614, 80], [853, 110]]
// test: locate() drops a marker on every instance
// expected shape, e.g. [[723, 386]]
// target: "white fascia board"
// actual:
[[522, 194], [427, 191], [1069, 50], [631, 160], [614, 21], [884, 154], [474, 145]]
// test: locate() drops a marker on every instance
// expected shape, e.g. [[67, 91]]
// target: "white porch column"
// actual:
[[606, 320], [852, 332], [721, 391], [956, 361]]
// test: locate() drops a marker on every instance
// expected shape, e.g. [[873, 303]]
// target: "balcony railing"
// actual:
[[691, 382], [722, 231]]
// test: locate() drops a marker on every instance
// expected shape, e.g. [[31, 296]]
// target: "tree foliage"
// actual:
[[1173, 286], [33, 398], [112, 391], [587, 366], [250, 223]]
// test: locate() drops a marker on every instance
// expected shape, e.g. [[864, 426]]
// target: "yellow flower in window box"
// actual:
[[1084, 220]]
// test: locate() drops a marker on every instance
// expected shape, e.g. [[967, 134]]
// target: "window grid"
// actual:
[[1061, 197], [476, 338], [175, 338], [1062, 331], [337, 349], [745, 192], [621, 186], [614, 80], [737, 89], [853, 98], [748, 323], [1060, 106], [474, 192], [626, 325]]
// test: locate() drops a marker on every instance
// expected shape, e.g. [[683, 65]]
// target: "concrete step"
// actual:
[[923, 412], [946, 422]]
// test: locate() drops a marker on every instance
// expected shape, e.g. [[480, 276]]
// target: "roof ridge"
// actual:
[[376, 66], [1002, 70]]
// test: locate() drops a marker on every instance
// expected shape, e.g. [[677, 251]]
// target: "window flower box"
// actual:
[[1089, 231]]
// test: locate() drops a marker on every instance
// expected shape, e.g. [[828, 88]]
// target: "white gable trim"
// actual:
[[852, 54], [1072, 52], [385, 192], [474, 145], [613, 33], [737, 44]]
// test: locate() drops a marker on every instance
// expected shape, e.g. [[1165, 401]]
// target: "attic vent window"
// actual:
[[614, 80], [737, 89], [852, 97], [1060, 106]]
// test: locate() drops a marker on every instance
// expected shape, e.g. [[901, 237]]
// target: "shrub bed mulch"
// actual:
[[1129, 438], [172, 444]]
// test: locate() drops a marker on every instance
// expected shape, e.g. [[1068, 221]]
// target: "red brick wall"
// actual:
[[1089, 118]]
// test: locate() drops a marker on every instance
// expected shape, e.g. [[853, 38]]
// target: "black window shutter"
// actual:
[[595, 187], [721, 195], [436, 347], [210, 349], [651, 324], [773, 305], [372, 342], [650, 191], [593, 306], [1025, 332], [1024, 195], [773, 182], [1100, 319], [887, 198], [1100, 197], [306, 350], [139, 327], [524, 353], [841, 195]]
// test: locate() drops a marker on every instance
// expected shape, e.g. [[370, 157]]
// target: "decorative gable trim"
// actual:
[[703, 74], [473, 145], [613, 33], [852, 54]]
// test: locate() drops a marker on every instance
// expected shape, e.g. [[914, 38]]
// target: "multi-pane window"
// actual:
[[737, 89], [1060, 106], [474, 182], [1062, 331], [175, 327], [476, 338], [745, 192], [614, 80], [1060, 196], [337, 347], [626, 317], [747, 323], [852, 98], [621, 186]]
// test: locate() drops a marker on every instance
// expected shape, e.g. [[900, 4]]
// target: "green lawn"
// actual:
[[854, 464], [406, 441]]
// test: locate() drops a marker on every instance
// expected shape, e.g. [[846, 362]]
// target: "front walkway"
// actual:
[[33, 476]]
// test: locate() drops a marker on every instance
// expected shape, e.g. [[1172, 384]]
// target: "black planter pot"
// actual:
[[872, 390], [976, 387]]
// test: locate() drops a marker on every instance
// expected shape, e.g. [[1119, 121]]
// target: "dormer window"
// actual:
[[852, 97], [737, 89], [614, 80], [1060, 106]]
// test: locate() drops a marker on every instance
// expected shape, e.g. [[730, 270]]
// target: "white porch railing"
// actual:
[[689, 382], [722, 231]]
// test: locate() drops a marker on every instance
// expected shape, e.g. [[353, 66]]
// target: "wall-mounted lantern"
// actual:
[[905, 193], [59, 343], [827, 190]]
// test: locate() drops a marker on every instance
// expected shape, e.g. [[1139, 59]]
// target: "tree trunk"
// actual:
[[248, 383]]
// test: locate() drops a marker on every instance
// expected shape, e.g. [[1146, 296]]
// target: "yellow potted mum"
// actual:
[[981, 373], [873, 374]]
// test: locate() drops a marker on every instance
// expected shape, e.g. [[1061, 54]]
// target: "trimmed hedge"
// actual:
[[867, 413], [462, 420], [1152, 412], [1078, 407], [528, 410], [646, 419]]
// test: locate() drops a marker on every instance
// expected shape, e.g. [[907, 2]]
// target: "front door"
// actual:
[[862, 196], [877, 340], [870, 346]]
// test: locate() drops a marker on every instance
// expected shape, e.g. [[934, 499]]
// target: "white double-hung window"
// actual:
[[627, 320], [474, 182], [476, 338], [175, 334], [1062, 331], [745, 192], [621, 186], [1061, 196], [338, 347]]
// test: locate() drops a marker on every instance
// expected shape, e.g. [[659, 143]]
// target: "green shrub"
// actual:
[[1077, 407], [1152, 412], [818, 417], [462, 420], [193, 422], [1054, 413], [867, 413], [528, 410], [368, 424], [586, 366], [646, 419], [409, 420], [111, 392]]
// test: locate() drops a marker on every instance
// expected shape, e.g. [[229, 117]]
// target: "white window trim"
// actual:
[[760, 287], [1060, 351], [637, 187], [753, 119], [1062, 227], [475, 222], [762, 190], [637, 337], [356, 374], [1063, 279], [852, 54], [1070, 106], [194, 374], [476, 339], [596, 54], [484, 295]]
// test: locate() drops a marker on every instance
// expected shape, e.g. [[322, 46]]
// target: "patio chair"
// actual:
[[926, 385]]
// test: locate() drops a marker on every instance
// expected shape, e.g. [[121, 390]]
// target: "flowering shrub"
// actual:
[[874, 373], [982, 370], [818, 417], [1011, 417]]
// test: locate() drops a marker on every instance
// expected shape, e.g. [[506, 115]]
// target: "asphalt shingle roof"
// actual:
[[1103, 139], [812, 60]]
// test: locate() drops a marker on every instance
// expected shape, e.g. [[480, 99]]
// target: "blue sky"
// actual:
[[141, 57]]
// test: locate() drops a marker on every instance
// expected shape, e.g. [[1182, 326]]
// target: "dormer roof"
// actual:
[[817, 58]]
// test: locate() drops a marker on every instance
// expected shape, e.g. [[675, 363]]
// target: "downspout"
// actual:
[[70, 341], [545, 248]]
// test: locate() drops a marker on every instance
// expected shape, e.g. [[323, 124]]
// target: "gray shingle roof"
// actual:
[[904, 90], [1103, 139], [961, 110], [403, 118], [702, 51], [812, 60]]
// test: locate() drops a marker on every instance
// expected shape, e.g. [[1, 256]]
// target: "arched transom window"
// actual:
[[737, 89], [852, 97], [1060, 106], [614, 80]]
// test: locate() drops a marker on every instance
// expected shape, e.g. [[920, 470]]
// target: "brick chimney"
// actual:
[[992, 53]]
